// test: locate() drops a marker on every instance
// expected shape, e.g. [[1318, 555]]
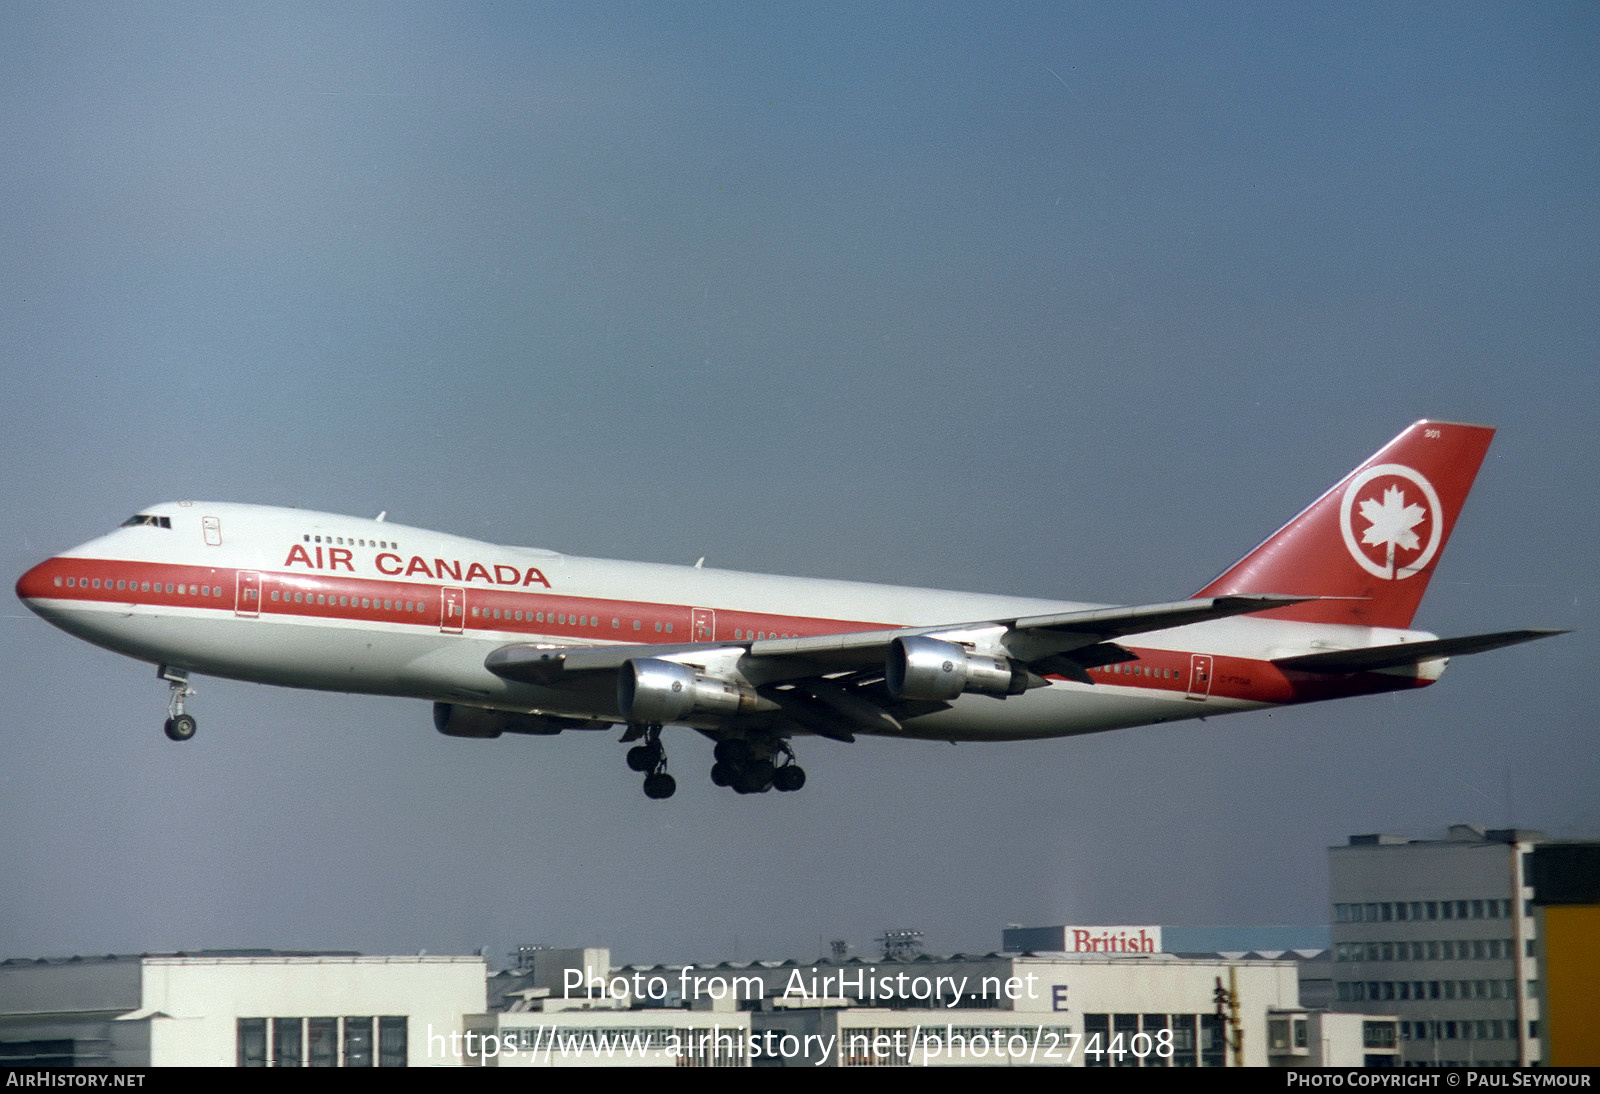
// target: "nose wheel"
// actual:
[[180, 725]]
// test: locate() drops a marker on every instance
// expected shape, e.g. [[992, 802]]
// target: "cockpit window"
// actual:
[[144, 518]]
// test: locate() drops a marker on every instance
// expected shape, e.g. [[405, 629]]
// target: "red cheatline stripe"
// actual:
[[96, 580], [198, 587]]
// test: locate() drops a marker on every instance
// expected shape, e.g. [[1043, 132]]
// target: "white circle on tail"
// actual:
[[1392, 515]]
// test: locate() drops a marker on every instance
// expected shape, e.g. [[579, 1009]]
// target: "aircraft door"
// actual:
[[703, 624], [1199, 676], [453, 610], [247, 594]]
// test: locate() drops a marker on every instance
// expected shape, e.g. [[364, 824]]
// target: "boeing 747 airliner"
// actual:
[[512, 640]]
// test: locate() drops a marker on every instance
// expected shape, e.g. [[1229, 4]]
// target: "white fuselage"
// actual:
[[313, 600]]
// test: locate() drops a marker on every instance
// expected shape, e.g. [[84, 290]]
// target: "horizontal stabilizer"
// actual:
[[1406, 653]]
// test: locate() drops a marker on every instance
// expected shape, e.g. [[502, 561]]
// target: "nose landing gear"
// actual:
[[180, 726]]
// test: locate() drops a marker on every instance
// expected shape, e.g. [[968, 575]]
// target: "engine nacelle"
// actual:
[[455, 720], [652, 690], [926, 668]]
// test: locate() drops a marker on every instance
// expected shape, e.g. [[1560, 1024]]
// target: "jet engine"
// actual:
[[926, 668], [652, 690], [455, 720]]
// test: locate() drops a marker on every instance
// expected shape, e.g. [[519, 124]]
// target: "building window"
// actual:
[[358, 1042], [1123, 1029], [1212, 1041], [252, 1042], [286, 1042], [1096, 1026], [1183, 1040], [392, 1042], [322, 1038], [1377, 1035]]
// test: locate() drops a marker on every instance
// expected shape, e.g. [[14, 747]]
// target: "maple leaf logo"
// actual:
[[1390, 524]]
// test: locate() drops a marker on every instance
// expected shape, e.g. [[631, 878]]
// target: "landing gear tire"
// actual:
[[755, 779], [789, 777], [660, 786], [643, 758], [721, 774], [179, 726]]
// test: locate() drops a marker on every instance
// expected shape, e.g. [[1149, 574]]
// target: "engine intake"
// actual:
[[652, 690], [926, 668]]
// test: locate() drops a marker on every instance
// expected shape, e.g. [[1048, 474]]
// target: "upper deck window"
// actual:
[[145, 518]]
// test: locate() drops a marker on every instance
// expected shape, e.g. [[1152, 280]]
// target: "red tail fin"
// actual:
[[1374, 538]]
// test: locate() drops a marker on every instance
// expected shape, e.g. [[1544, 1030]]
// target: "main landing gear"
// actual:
[[752, 765], [755, 767], [651, 759], [180, 726]]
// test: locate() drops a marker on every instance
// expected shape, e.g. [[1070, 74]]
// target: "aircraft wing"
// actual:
[[1373, 658], [1066, 643]]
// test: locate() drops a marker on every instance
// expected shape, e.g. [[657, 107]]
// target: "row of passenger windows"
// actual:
[[348, 541], [1139, 670], [1385, 991], [568, 619], [506, 615], [1418, 910], [1459, 949], [354, 602], [563, 618], [554, 617], [181, 588]]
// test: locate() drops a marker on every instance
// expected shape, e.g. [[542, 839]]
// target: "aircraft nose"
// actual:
[[38, 582]]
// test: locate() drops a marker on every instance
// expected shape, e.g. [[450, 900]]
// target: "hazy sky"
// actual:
[[1069, 300]]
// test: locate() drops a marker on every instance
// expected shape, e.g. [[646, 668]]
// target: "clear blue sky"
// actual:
[[1061, 300]]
